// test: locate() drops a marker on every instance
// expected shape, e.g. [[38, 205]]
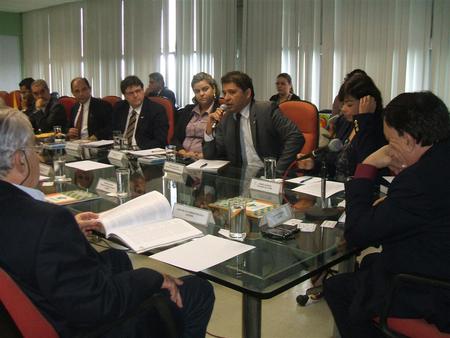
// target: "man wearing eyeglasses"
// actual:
[[75, 287], [144, 123]]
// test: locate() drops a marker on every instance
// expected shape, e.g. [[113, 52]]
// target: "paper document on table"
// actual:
[[191, 256], [315, 188], [207, 165], [97, 144], [147, 152], [304, 180], [88, 165]]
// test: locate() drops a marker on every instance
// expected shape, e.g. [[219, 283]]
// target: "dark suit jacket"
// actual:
[[99, 118], [71, 284], [53, 115], [167, 93], [184, 116], [413, 226], [152, 127], [273, 136]]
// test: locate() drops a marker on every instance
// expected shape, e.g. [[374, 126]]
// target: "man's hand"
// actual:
[[171, 284], [214, 117], [306, 164], [88, 221], [367, 104], [388, 157], [73, 134]]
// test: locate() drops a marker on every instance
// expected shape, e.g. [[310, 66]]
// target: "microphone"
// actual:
[[224, 108], [334, 146]]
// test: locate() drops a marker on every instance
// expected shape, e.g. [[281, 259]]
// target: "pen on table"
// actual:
[[306, 179], [203, 165]]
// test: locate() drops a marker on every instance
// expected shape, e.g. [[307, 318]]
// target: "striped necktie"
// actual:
[[130, 128], [79, 123]]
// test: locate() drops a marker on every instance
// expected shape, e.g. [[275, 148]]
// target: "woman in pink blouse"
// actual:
[[192, 119]]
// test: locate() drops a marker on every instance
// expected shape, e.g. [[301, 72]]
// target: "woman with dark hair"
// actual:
[[284, 89], [360, 127], [192, 120]]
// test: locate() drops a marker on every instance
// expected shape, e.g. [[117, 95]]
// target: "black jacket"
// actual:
[[54, 114], [99, 118], [152, 127]]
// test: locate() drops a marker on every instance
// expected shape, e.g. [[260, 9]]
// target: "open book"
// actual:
[[146, 222]]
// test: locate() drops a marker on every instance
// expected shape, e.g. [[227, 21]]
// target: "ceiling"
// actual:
[[20, 6]]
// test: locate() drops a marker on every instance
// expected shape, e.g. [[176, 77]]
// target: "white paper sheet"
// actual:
[[148, 152], [207, 165], [304, 180], [191, 256], [315, 188], [87, 165], [100, 143]]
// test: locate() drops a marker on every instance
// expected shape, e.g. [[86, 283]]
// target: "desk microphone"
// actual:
[[335, 145], [224, 108]]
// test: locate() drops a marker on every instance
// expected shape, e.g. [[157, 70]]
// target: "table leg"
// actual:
[[251, 317]]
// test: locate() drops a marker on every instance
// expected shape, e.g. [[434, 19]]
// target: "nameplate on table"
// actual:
[[270, 187], [44, 169], [193, 214], [117, 158], [174, 167], [73, 148], [106, 186], [279, 215]]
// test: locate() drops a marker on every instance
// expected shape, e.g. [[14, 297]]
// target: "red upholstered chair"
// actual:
[[26, 317], [68, 102], [5, 96], [20, 318], [413, 328], [15, 99], [306, 117], [111, 99], [167, 104]]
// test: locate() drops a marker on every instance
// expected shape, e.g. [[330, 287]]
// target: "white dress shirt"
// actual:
[[84, 133]]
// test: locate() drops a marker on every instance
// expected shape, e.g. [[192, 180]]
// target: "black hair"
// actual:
[[360, 85], [288, 78], [157, 77], [240, 79], [423, 115], [129, 81], [26, 82]]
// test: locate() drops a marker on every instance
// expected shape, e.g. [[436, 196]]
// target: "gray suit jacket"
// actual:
[[273, 135]]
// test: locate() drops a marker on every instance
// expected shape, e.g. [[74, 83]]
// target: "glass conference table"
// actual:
[[269, 269]]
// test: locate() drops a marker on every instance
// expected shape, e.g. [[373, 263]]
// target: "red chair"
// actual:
[[15, 99], [5, 96], [167, 104], [68, 103], [23, 319], [306, 117], [413, 328], [112, 99], [27, 318]]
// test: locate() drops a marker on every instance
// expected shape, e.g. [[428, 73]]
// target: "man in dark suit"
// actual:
[[91, 117], [75, 287], [412, 223], [157, 87], [49, 112], [250, 130], [144, 123]]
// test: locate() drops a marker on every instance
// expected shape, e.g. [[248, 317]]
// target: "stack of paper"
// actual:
[[207, 165]]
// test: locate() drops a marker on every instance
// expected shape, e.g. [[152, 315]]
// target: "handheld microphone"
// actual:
[[334, 146], [224, 108]]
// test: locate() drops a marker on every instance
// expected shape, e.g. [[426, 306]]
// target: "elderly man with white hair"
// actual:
[[75, 287]]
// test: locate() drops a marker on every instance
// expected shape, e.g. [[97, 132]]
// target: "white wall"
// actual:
[[10, 68]]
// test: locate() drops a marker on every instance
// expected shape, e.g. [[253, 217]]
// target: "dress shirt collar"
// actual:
[[36, 194], [137, 110], [245, 112]]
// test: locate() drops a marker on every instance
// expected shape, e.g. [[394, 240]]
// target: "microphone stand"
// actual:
[[323, 212]]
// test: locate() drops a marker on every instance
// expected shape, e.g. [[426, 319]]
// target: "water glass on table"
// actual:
[[237, 218], [270, 165], [171, 153], [123, 182]]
